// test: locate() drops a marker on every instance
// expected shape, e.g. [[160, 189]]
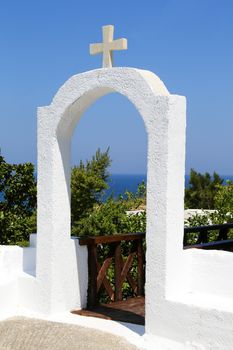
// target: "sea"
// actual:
[[120, 183]]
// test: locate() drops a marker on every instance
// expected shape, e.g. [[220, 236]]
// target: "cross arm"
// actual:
[[119, 44], [96, 48]]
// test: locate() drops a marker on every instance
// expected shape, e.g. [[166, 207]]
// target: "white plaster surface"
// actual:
[[58, 278], [189, 300], [15, 263], [210, 273]]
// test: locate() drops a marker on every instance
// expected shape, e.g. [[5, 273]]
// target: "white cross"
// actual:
[[108, 45]]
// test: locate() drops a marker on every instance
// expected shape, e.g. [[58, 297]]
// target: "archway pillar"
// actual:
[[165, 270], [61, 269]]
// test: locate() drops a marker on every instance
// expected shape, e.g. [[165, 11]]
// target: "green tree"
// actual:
[[202, 190], [223, 204], [105, 219], [88, 182], [17, 202], [136, 200], [222, 214], [112, 216]]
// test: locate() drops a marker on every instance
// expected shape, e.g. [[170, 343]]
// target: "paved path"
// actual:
[[31, 334]]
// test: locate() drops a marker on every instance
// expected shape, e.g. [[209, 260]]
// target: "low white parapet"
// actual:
[[33, 240], [189, 213]]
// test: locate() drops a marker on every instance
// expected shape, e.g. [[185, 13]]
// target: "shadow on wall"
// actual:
[[82, 271]]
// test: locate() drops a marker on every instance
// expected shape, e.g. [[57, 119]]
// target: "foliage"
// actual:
[[198, 219], [223, 212], [135, 222], [15, 229], [18, 184], [223, 204], [202, 190], [88, 182], [104, 219], [136, 201], [17, 202], [111, 217], [92, 217]]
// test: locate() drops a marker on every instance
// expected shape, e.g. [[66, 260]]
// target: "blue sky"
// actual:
[[187, 43]]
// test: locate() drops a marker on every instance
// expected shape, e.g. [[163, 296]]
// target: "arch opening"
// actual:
[[100, 215]]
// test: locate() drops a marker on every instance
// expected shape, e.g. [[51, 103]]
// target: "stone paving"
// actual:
[[32, 334]]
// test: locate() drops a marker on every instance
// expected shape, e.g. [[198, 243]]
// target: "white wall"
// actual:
[[210, 272], [18, 284], [15, 263]]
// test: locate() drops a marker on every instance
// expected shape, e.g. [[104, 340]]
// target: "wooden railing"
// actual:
[[201, 237], [122, 266], [209, 237]]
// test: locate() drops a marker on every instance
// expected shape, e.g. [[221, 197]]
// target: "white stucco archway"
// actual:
[[164, 116]]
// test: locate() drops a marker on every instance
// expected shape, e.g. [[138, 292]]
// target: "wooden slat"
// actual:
[[92, 271], [209, 228], [107, 285], [130, 279], [126, 267], [102, 272], [108, 288], [111, 239], [141, 278], [204, 232], [223, 233], [203, 237], [132, 283], [117, 272]]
